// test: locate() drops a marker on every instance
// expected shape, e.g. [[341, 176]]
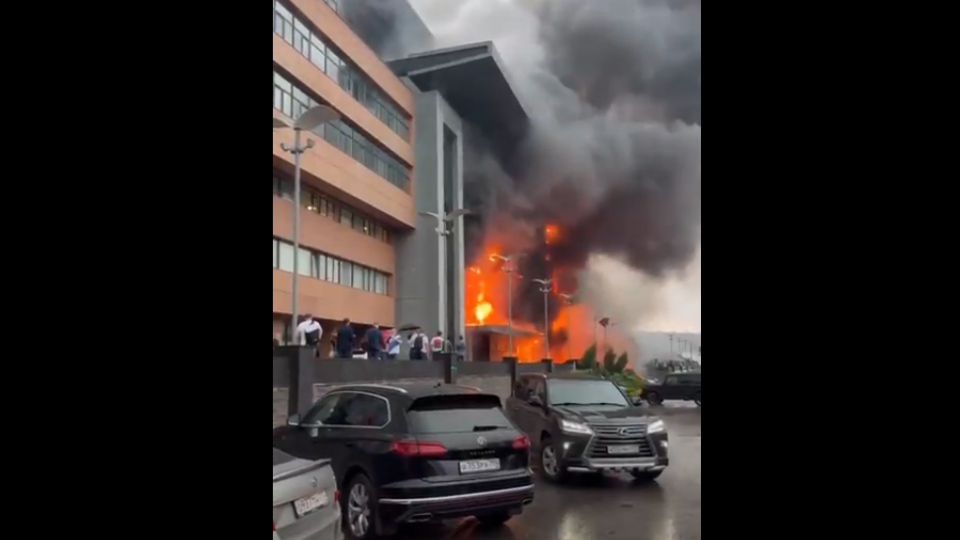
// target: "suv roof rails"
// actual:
[[380, 386]]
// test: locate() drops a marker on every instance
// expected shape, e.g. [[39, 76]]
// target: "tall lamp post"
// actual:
[[568, 302], [446, 225], [308, 121], [546, 289], [510, 270]]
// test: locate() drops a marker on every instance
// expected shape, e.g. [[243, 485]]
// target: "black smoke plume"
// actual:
[[613, 159]]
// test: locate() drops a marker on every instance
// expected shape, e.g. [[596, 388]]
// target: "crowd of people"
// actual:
[[377, 344]]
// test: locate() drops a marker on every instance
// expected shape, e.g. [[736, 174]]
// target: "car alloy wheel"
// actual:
[[549, 461], [358, 510]]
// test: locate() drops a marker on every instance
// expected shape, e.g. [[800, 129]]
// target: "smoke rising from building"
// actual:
[[613, 160]]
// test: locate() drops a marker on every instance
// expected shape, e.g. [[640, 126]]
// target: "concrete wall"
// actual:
[[492, 377], [422, 253]]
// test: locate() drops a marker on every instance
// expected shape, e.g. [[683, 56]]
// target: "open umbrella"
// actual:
[[408, 328]]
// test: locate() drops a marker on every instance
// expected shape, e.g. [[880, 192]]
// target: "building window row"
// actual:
[[326, 206], [307, 41], [293, 101], [317, 265]]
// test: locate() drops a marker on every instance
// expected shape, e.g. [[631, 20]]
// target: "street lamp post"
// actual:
[[308, 121], [545, 288], [446, 225], [568, 302], [510, 270]]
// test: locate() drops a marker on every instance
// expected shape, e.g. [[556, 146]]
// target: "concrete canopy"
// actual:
[[472, 80]]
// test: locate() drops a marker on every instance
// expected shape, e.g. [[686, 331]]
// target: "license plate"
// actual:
[[479, 466], [621, 450], [310, 504]]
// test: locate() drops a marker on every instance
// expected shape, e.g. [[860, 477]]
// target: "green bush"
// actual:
[[622, 363], [610, 361], [589, 358]]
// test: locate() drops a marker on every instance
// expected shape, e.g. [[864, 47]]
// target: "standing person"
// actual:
[[437, 345], [393, 346], [309, 334], [418, 343], [345, 340], [375, 343], [461, 349]]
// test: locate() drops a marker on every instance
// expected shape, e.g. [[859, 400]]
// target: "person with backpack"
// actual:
[[418, 342], [309, 333]]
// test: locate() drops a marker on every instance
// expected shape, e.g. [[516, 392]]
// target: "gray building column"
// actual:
[[429, 268]]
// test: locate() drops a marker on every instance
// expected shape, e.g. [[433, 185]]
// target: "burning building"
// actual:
[[577, 138]]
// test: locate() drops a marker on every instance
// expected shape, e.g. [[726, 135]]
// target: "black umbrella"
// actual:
[[408, 328]]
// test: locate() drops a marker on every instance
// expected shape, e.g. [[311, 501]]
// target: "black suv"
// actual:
[[584, 424], [411, 454], [676, 386]]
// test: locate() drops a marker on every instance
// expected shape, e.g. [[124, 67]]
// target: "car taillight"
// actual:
[[274, 526], [336, 496], [417, 448], [521, 443]]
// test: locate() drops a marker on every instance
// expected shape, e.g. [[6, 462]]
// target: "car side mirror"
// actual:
[[638, 401], [294, 421], [536, 401]]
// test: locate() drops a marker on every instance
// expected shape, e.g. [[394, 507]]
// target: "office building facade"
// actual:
[[368, 253]]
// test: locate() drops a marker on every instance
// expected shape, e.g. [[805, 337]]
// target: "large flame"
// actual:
[[572, 331]]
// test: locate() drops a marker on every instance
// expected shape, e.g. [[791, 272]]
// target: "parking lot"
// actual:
[[608, 508]]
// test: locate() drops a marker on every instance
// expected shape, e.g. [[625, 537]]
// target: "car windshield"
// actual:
[[573, 393]]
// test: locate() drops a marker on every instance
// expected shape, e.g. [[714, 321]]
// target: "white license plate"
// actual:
[[621, 450], [479, 466], [310, 504]]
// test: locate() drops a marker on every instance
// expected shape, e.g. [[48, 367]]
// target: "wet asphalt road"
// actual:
[[608, 508]]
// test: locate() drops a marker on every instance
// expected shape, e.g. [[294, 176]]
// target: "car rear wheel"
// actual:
[[697, 399], [494, 520], [654, 398], [359, 516], [550, 462], [646, 476]]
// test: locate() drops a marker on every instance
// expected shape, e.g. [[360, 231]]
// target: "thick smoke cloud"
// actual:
[[614, 90]]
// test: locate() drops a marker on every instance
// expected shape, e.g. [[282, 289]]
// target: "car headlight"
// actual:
[[575, 428], [656, 427]]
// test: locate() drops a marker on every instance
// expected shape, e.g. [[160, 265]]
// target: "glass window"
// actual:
[[333, 270], [363, 410], [333, 65], [380, 284], [282, 11], [586, 393], [357, 277], [276, 254], [346, 274], [282, 83], [317, 57], [321, 267], [304, 263], [346, 217], [286, 257], [324, 412], [456, 414]]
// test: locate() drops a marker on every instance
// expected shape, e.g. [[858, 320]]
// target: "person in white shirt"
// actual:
[[437, 345], [394, 345], [309, 333]]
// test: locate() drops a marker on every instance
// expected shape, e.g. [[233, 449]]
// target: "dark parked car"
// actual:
[[679, 386], [580, 424], [411, 454]]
